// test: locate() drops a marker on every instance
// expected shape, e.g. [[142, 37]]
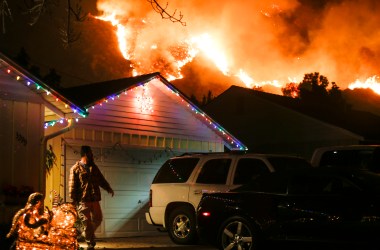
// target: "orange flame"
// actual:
[[205, 44], [122, 33], [369, 83], [185, 52]]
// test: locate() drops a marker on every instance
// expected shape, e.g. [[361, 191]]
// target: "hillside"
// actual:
[[363, 99]]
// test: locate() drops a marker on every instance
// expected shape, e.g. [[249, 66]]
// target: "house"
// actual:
[[25, 103], [270, 123], [132, 124]]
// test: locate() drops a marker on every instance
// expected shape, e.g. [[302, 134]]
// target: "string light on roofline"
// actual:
[[60, 121], [29, 83], [18, 76], [214, 125]]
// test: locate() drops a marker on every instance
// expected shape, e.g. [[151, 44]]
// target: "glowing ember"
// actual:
[[370, 83]]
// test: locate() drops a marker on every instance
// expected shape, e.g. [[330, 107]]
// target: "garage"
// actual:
[[129, 172], [133, 125]]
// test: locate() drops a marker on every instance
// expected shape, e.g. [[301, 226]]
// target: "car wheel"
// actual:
[[181, 226], [237, 233]]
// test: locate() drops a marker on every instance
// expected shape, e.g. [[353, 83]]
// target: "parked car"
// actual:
[[181, 181], [348, 156], [317, 204]]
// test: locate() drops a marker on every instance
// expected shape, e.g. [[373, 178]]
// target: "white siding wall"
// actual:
[[21, 131]]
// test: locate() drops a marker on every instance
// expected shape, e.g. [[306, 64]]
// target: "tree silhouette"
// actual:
[[53, 79], [291, 90], [22, 58], [313, 90], [207, 99], [313, 87], [194, 99]]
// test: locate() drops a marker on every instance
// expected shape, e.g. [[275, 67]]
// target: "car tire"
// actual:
[[181, 226], [238, 233]]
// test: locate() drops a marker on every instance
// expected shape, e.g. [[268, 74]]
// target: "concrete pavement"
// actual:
[[160, 241]]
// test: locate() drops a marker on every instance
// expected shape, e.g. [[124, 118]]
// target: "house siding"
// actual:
[[21, 132]]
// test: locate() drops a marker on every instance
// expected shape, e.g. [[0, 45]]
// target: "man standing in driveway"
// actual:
[[84, 190]]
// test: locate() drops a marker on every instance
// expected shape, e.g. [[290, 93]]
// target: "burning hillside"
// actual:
[[254, 43]]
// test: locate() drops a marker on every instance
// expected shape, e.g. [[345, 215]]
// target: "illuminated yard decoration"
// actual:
[[35, 227], [145, 101]]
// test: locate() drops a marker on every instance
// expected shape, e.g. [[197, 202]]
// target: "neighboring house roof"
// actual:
[[358, 122], [75, 102]]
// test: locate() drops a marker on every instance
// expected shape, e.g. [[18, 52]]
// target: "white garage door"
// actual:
[[130, 172]]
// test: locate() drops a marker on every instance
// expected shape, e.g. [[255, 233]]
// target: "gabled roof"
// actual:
[[86, 96], [90, 94], [52, 98], [359, 122], [75, 101]]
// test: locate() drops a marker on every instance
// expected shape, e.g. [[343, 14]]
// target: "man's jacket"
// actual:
[[85, 181]]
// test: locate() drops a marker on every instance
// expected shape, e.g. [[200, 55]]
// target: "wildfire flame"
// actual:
[[185, 52], [369, 83]]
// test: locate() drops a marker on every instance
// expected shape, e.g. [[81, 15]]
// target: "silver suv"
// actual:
[[179, 184]]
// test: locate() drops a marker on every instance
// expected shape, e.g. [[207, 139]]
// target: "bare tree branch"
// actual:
[[35, 9], [68, 34], [5, 11], [165, 15], [78, 13]]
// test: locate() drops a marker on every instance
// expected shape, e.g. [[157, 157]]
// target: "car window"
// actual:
[[274, 183], [214, 171], [281, 163], [176, 170], [359, 159], [248, 169]]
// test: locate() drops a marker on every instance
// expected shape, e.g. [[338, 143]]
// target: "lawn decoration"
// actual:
[[35, 227]]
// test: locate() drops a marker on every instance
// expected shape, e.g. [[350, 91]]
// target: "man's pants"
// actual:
[[91, 216]]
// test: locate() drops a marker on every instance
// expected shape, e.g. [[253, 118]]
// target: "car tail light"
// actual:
[[150, 198], [206, 214]]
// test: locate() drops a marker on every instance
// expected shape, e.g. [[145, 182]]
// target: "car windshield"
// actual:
[[281, 163]]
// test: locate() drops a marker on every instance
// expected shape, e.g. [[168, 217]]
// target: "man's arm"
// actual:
[[103, 183], [73, 183]]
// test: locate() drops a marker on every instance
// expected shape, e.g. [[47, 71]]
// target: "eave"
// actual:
[[51, 98]]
